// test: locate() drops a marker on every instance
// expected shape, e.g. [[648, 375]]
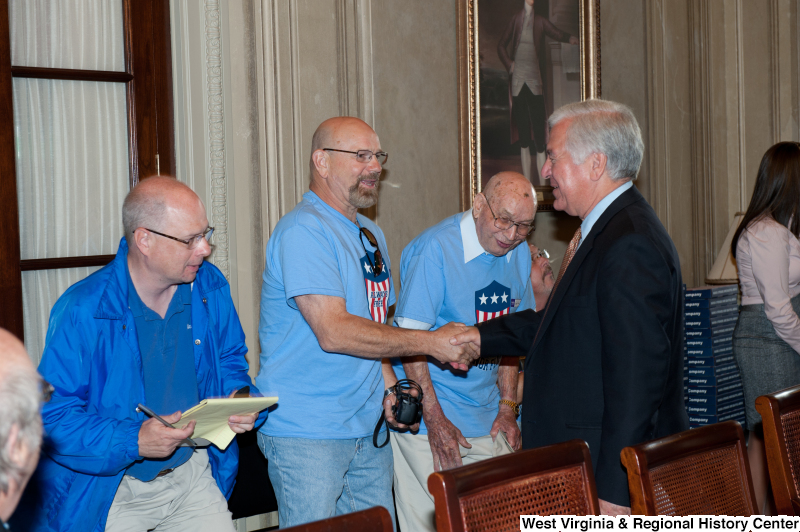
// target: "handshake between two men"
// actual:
[[465, 345]]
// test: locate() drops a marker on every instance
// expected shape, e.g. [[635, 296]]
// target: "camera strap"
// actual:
[[381, 421]]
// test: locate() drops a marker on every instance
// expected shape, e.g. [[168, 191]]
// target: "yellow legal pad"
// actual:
[[212, 418]]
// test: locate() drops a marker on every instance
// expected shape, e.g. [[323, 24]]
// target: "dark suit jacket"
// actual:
[[512, 36], [607, 366]]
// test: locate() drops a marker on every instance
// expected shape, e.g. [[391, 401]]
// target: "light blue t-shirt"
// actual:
[[317, 250], [445, 275]]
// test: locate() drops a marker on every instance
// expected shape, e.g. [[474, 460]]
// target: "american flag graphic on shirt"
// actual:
[[492, 301], [377, 289]]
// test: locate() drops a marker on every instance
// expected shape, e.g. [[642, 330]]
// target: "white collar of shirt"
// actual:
[[600, 208], [469, 239], [528, 10]]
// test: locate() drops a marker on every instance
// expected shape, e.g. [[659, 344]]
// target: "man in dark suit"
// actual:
[[604, 359]]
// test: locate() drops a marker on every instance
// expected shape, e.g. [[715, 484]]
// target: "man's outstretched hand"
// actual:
[[458, 355], [468, 336]]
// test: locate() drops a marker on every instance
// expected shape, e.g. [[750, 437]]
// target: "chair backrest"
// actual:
[[375, 519], [780, 415], [491, 495], [702, 471]]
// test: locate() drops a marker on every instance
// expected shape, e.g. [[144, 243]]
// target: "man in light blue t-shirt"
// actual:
[[463, 269], [326, 290]]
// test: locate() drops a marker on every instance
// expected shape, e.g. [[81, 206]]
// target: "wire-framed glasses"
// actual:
[[365, 156], [504, 224], [193, 241]]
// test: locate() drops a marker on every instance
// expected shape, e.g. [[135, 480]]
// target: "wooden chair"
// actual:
[[780, 416], [492, 494], [376, 519], [703, 471]]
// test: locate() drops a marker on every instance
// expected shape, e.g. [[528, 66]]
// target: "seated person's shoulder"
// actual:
[[87, 292]]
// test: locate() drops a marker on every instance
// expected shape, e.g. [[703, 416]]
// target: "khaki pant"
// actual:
[[187, 499], [413, 464]]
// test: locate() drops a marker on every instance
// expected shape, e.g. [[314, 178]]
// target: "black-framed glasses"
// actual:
[[192, 242], [505, 224], [46, 389], [377, 267], [365, 156]]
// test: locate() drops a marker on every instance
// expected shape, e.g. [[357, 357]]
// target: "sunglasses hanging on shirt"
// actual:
[[377, 267]]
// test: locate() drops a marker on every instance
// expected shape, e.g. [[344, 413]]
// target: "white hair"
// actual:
[[20, 395], [603, 126]]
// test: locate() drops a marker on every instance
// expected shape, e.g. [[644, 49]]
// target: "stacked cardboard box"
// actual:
[[712, 384]]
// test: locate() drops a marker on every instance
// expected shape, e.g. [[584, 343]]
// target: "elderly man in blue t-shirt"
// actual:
[[463, 269], [326, 290]]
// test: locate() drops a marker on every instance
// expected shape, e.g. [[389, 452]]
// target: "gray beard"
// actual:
[[364, 198]]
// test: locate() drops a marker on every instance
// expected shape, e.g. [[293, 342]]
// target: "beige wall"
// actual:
[[713, 84], [414, 61]]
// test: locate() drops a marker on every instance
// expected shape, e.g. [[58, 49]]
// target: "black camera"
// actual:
[[408, 408]]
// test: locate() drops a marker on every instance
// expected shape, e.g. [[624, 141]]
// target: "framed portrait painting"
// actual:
[[519, 60]]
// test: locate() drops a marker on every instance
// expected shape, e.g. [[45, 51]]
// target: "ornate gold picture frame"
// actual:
[[488, 42]]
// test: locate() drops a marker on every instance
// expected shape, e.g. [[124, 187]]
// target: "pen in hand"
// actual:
[[140, 407]]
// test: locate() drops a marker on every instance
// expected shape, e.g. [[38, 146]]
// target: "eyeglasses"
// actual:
[[377, 268], [47, 390], [192, 242], [542, 253], [505, 224], [365, 156]]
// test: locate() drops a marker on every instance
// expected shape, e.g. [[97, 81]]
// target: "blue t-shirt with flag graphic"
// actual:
[[316, 250], [439, 285]]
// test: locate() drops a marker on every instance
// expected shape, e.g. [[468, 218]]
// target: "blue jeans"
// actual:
[[317, 479]]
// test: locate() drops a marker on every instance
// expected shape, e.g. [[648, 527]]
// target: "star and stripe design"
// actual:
[[492, 301], [377, 289]]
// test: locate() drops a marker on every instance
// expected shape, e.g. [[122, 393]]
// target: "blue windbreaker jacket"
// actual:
[[92, 359]]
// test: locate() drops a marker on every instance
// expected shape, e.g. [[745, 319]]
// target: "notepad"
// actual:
[[212, 418]]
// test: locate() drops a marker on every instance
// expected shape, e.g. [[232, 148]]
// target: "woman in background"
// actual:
[[766, 342]]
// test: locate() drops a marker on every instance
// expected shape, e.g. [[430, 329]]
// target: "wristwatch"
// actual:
[[388, 391], [514, 406]]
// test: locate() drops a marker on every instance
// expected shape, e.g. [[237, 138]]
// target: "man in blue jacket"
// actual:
[[156, 326]]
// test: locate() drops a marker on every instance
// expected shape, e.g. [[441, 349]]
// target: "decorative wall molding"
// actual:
[[658, 159], [216, 136], [702, 152]]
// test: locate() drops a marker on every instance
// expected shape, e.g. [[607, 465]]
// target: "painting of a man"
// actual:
[[521, 84], [525, 60]]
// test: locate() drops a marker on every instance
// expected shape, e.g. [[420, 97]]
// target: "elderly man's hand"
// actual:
[[444, 439], [242, 423], [460, 356], [156, 440], [506, 421]]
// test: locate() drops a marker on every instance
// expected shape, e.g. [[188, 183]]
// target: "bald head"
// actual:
[[339, 177], [149, 202], [333, 131], [337, 133], [509, 196], [20, 424], [510, 183]]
